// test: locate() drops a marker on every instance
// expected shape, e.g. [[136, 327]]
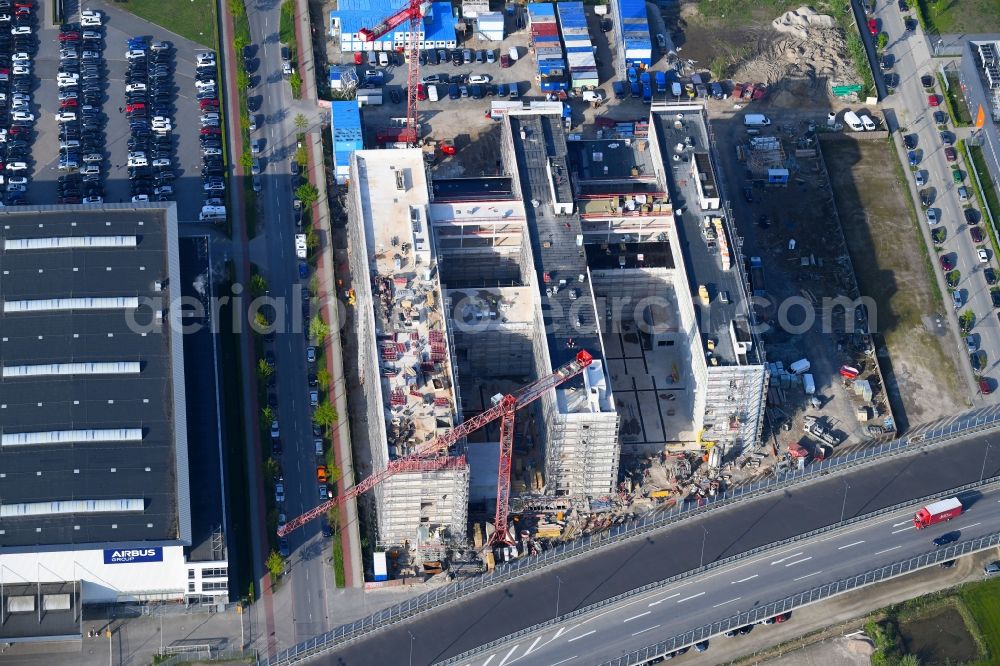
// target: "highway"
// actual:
[[309, 578], [524, 602], [915, 116], [741, 587]]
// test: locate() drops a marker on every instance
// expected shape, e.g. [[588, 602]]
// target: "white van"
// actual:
[[853, 121], [756, 120], [319, 446], [212, 213], [432, 92], [869, 124]]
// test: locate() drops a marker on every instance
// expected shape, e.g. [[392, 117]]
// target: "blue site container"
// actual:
[[636, 89], [647, 94], [661, 82]]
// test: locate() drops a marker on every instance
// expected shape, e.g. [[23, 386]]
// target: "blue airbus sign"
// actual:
[[132, 555]]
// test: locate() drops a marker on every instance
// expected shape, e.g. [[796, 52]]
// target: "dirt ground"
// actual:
[[892, 267]]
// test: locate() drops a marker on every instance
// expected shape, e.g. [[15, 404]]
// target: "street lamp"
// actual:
[[559, 582], [412, 638], [986, 455], [843, 506], [704, 536]]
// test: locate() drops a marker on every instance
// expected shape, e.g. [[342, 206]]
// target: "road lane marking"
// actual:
[[972, 525], [727, 602], [656, 603], [886, 550], [592, 631], [559, 662], [851, 544], [642, 631], [537, 641], [504, 660], [911, 527], [693, 596], [902, 523], [807, 575], [635, 617], [743, 580], [804, 559], [788, 557]]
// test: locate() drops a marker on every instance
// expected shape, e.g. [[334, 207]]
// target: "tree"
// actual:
[[258, 284], [246, 161], [307, 194], [301, 122], [325, 415], [882, 41], [312, 239], [275, 564], [263, 369], [318, 329], [266, 416], [260, 322], [301, 156], [323, 379], [295, 81], [237, 8]]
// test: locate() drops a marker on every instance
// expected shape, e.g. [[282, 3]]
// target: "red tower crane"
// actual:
[[414, 13], [433, 455]]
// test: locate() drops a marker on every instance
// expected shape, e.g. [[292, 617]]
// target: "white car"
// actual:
[[206, 59], [68, 54], [205, 84], [932, 217], [90, 18], [23, 115], [91, 158], [140, 198], [91, 170], [275, 432], [67, 83], [17, 166], [161, 162], [279, 492], [313, 398], [135, 54], [138, 162], [210, 116], [92, 55], [3, 135], [21, 30], [383, 59], [211, 151], [20, 56], [160, 46], [135, 87], [984, 257], [918, 178], [480, 78], [4, 18], [92, 35], [311, 354], [163, 190], [21, 70], [65, 117], [93, 200], [286, 68], [17, 180]]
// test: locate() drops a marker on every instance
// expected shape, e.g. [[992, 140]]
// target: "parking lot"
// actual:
[[109, 131]]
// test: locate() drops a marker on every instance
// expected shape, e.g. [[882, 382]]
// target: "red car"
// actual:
[[208, 104], [421, 92], [947, 263], [66, 103], [933, 100], [984, 387], [873, 26], [129, 108], [68, 36], [950, 154], [211, 130]]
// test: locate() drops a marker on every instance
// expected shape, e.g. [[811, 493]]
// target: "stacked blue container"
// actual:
[[548, 50], [579, 50], [635, 32]]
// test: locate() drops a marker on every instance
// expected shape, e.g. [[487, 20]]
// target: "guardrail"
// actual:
[[931, 435], [714, 565]]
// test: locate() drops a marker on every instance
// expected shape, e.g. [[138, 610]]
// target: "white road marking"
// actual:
[[727, 602], [656, 603], [851, 544], [788, 557], [491, 658], [504, 660], [592, 631], [911, 527], [636, 617], [886, 550], [743, 580], [807, 575], [804, 559], [560, 662], [902, 523], [972, 525], [693, 596], [642, 631]]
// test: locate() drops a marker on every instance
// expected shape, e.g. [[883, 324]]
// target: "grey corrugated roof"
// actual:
[[113, 470]]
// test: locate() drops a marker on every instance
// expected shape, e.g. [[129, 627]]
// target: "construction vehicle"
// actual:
[[414, 12], [937, 512], [433, 455]]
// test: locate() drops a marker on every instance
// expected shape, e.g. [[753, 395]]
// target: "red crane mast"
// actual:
[[433, 455], [414, 13]]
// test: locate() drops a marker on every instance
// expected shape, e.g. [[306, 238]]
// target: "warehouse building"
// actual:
[[96, 478]]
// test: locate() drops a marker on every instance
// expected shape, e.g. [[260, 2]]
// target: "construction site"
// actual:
[[553, 349]]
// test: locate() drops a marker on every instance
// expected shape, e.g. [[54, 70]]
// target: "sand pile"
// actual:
[[798, 22]]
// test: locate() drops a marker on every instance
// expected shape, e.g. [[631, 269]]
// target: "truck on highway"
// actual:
[[937, 512], [300, 246]]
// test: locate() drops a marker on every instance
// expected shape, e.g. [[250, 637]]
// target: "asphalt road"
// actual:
[[524, 602], [741, 587], [309, 576], [915, 116]]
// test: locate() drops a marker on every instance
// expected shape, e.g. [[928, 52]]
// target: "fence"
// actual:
[[761, 612], [933, 434], [205, 653]]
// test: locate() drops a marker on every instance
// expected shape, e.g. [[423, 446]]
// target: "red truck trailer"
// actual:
[[938, 512]]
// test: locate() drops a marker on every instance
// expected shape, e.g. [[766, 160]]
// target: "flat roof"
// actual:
[[46, 612], [612, 166], [567, 302], [417, 380], [345, 126], [67, 260], [703, 265]]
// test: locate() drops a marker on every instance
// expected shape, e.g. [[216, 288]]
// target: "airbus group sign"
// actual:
[[132, 555]]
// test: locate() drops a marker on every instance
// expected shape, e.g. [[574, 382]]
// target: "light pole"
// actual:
[[558, 589], [843, 506], [986, 455], [111, 650], [704, 536], [412, 638]]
